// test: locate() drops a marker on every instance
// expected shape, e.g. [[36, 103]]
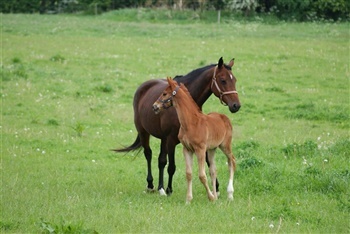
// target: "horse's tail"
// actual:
[[134, 146]]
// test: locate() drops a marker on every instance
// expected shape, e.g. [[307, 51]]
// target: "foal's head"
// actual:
[[224, 85], [165, 100]]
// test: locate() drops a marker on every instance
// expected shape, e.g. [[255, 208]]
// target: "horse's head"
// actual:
[[165, 100], [224, 85]]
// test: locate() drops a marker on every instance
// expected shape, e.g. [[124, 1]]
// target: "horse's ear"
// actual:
[[221, 62], [232, 62]]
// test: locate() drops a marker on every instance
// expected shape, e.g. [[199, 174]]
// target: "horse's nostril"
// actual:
[[235, 107]]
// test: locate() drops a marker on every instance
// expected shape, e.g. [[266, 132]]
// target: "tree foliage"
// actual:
[[300, 10]]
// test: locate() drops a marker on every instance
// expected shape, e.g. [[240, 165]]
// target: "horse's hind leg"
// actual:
[[144, 138], [217, 181], [162, 160]]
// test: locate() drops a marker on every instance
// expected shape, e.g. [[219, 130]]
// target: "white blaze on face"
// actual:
[[231, 76]]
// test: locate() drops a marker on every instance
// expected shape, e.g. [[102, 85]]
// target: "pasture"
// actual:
[[67, 84]]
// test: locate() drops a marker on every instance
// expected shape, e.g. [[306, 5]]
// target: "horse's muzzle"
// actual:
[[235, 107]]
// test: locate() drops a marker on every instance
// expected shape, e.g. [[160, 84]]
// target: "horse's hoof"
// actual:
[[162, 192], [169, 191], [150, 190]]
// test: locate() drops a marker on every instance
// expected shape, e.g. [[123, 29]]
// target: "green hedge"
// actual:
[[298, 10]]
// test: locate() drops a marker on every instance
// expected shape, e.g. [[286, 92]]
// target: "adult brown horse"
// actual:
[[201, 83], [199, 133]]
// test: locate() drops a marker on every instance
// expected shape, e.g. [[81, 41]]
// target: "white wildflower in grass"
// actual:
[[253, 218], [271, 225], [304, 161], [43, 152], [325, 160], [94, 161]]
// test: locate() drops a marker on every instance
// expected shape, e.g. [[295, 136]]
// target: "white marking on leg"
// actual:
[[162, 192], [230, 189]]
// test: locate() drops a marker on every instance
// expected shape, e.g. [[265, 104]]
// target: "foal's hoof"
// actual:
[[211, 197], [230, 197]]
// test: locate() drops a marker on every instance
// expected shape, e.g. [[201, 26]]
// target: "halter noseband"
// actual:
[[167, 103], [218, 88]]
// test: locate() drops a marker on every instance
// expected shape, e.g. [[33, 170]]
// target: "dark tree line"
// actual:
[[284, 9]]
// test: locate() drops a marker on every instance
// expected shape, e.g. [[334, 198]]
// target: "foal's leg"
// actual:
[[212, 169], [189, 162], [201, 171], [231, 166], [217, 181]]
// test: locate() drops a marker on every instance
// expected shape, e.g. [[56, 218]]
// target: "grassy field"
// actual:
[[67, 84]]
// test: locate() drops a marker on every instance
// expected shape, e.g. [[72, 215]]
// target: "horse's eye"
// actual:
[[164, 94], [223, 82]]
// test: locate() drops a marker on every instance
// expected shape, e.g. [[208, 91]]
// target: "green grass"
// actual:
[[67, 84]]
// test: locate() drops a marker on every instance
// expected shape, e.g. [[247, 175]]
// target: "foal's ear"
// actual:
[[170, 80], [221, 62], [232, 62]]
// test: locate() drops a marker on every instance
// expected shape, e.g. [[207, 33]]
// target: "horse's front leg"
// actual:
[[201, 172], [189, 162], [162, 161]]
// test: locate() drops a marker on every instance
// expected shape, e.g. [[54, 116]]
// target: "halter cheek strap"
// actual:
[[167, 103], [218, 88]]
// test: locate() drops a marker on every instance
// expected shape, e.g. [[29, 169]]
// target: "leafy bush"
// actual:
[[308, 148], [250, 162]]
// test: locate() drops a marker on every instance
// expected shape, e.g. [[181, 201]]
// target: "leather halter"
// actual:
[[167, 103], [218, 88]]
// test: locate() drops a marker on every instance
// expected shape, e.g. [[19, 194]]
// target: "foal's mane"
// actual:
[[189, 97]]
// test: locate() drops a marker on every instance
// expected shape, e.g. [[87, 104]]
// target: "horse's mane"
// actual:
[[191, 76]]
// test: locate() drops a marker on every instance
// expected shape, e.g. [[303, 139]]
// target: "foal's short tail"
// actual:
[[134, 146]]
